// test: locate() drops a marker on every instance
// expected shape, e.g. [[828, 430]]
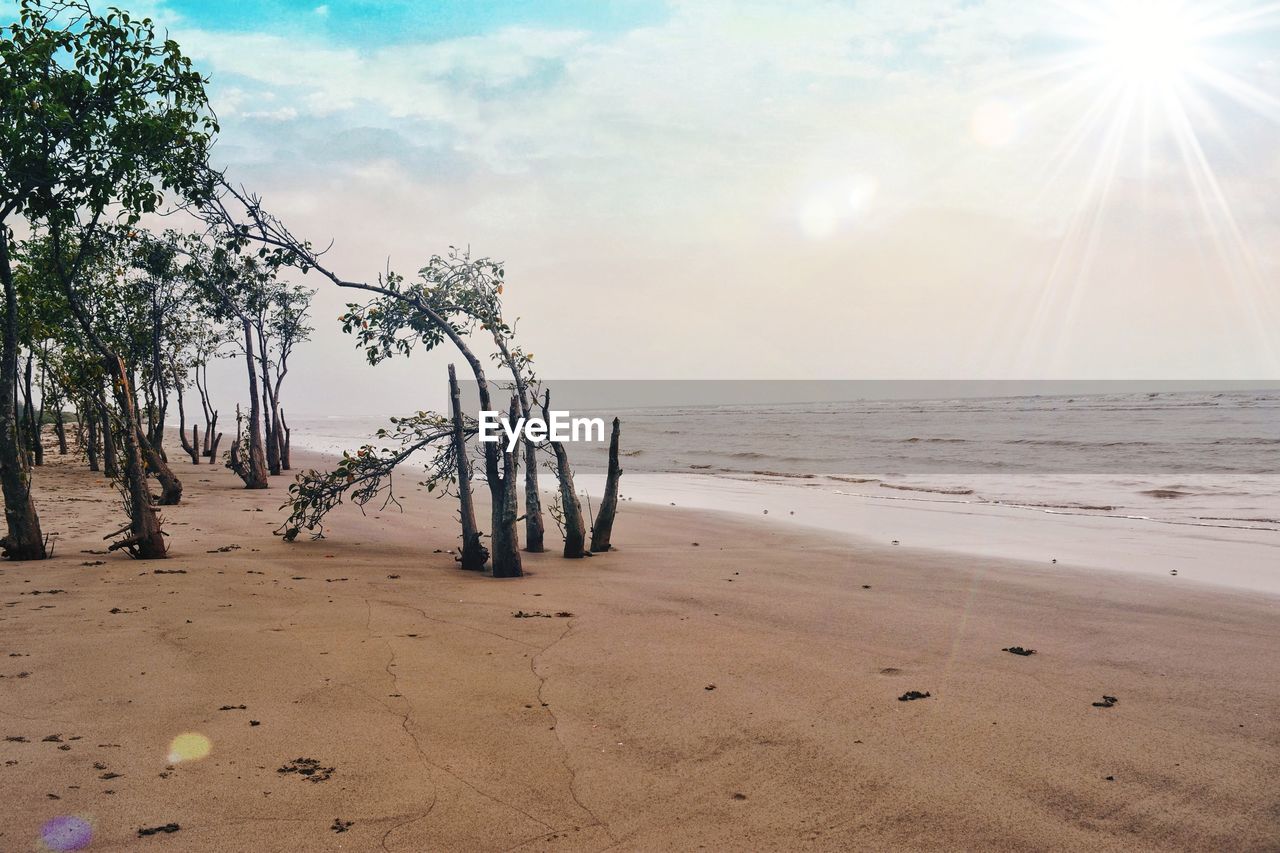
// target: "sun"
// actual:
[[1150, 43]]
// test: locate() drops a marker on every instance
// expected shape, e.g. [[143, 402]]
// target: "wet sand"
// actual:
[[740, 693]]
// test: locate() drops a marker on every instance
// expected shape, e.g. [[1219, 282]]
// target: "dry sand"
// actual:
[[737, 694]]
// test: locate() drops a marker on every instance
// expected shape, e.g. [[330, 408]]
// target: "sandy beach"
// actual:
[[713, 683]]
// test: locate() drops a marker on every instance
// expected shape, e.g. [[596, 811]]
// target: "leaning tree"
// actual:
[[438, 306]]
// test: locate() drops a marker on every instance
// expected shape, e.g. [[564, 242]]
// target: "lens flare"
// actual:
[[65, 832], [189, 746], [994, 124]]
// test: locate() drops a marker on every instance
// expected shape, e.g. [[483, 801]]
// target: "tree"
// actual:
[[441, 305], [100, 118]]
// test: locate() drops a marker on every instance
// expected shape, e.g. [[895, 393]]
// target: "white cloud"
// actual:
[[825, 154]]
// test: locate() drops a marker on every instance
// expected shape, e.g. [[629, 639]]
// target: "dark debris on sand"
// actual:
[[308, 768], [911, 695], [1019, 650], [1107, 702], [168, 829], [340, 825]]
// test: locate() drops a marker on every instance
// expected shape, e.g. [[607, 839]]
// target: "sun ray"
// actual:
[[1138, 89]]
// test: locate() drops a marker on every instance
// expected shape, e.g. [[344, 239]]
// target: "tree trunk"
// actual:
[[575, 531], [534, 528], [603, 528], [213, 448], [191, 448], [91, 449], [282, 437], [60, 429], [255, 476], [269, 430], [474, 554], [210, 413], [506, 536], [170, 485], [23, 539], [146, 541], [110, 455], [34, 444]]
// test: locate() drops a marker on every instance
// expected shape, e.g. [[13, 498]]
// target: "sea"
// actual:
[[1208, 457]]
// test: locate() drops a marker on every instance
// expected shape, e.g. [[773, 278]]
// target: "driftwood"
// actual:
[[602, 530]]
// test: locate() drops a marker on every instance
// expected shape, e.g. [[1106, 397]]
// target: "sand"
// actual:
[[740, 693]]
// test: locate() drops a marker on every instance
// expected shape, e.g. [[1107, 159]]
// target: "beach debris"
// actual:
[[563, 614], [110, 775], [224, 549], [1173, 571], [393, 577], [738, 795], [16, 739], [1107, 702], [894, 542], [695, 544], [1054, 561], [255, 722], [912, 695], [1019, 650], [709, 687], [866, 586], [308, 768], [168, 829], [233, 708], [340, 825], [169, 572], [1111, 778], [51, 739]]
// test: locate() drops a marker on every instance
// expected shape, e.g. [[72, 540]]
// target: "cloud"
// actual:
[[893, 167]]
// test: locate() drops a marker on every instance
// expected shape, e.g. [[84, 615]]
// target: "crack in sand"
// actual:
[[430, 618], [406, 720], [564, 750], [404, 726]]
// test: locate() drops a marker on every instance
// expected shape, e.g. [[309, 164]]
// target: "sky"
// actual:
[[936, 189]]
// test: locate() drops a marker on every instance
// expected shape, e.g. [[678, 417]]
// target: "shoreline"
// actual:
[[1238, 558], [743, 691]]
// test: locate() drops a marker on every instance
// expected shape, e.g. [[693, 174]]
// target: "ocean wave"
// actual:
[[935, 490]]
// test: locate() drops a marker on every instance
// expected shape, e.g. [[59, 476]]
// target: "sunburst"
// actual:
[[1139, 89]]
